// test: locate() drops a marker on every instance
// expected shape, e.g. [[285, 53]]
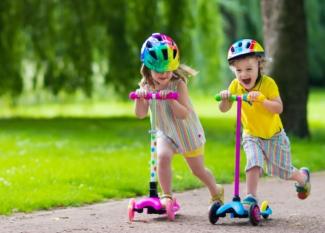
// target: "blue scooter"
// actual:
[[235, 208]]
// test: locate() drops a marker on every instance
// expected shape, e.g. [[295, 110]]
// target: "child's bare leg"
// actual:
[[196, 165], [299, 177], [165, 153], [252, 177]]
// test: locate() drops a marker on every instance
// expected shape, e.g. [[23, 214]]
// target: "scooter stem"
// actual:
[[237, 162], [153, 160]]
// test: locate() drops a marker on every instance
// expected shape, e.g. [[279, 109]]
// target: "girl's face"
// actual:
[[246, 71], [161, 80]]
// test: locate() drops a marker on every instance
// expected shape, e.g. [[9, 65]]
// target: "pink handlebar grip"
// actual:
[[170, 96]]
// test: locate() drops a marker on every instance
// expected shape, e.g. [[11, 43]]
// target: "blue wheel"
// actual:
[[264, 208], [213, 218]]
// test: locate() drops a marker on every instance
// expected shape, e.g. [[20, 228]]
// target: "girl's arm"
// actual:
[[141, 104], [181, 107]]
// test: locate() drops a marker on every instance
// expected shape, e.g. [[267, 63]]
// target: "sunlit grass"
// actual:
[[316, 108], [70, 161]]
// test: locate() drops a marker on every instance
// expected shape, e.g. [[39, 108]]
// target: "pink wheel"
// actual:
[[131, 209], [254, 214], [170, 209]]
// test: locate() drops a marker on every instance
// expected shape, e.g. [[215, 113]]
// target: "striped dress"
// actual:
[[187, 134]]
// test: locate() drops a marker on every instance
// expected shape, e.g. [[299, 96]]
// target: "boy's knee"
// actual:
[[255, 169]]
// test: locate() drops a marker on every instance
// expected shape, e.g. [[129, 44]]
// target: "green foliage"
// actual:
[[242, 19], [121, 66], [11, 47], [63, 46], [315, 11], [63, 43], [206, 42]]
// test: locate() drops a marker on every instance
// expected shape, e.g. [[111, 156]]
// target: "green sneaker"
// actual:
[[304, 191], [248, 201]]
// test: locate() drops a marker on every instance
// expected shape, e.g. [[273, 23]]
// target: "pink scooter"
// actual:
[[153, 203]]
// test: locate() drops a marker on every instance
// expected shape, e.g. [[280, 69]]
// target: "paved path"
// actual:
[[289, 214]]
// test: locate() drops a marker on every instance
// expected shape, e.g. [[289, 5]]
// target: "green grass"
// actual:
[[69, 161]]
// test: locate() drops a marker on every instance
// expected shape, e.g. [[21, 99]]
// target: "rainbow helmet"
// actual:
[[244, 47], [160, 53]]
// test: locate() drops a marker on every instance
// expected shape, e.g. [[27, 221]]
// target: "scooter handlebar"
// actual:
[[233, 97], [170, 96]]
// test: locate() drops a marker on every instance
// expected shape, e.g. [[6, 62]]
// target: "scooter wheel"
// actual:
[[213, 218], [170, 210], [131, 209], [254, 215], [264, 207]]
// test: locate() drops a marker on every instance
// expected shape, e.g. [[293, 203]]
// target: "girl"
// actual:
[[264, 139], [179, 128]]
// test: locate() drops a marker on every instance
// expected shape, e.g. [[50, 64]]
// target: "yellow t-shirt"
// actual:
[[256, 119]]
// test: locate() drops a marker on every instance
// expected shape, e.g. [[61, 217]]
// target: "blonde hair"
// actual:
[[183, 72]]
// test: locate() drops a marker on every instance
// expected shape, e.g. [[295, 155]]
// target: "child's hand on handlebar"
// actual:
[[225, 95], [164, 93], [141, 93], [256, 96]]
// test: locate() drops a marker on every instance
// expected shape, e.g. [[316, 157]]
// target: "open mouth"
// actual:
[[246, 81]]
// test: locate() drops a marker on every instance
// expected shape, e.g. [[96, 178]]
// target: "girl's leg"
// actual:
[[165, 153], [252, 177], [196, 165]]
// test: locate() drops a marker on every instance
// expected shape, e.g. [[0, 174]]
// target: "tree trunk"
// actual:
[[285, 41]]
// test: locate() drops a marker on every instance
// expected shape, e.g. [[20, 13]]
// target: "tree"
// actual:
[[285, 38], [10, 47]]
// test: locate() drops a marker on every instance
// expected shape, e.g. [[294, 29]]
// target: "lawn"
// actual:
[[52, 156]]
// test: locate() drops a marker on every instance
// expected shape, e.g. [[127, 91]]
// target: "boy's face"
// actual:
[[246, 71], [161, 79]]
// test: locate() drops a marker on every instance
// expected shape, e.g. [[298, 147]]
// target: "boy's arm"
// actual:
[[225, 103], [272, 105]]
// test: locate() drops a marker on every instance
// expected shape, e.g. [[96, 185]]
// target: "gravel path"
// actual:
[[289, 214]]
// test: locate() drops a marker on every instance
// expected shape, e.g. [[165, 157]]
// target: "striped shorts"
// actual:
[[273, 153], [188, 154]]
